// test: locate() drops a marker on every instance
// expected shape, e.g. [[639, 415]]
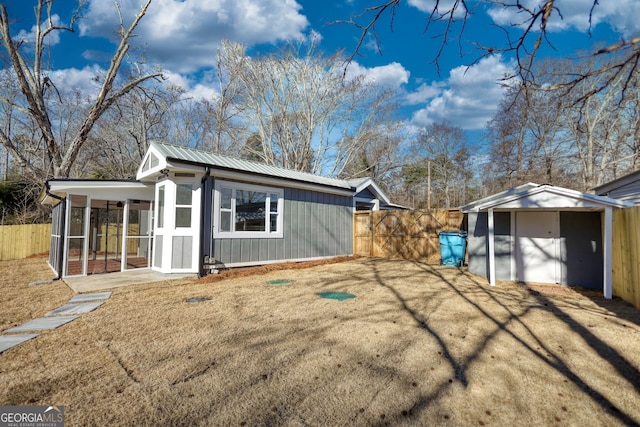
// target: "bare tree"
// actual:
[[576, 141], [443, 146], [301, 112], [38, 91], [227, 107], [378, 154], [447, 21], [507, 133], [594, 125]]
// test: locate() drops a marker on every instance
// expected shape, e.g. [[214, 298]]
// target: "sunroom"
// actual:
[[99, 226]]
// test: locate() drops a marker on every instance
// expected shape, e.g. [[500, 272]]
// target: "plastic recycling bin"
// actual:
[[453, 245]]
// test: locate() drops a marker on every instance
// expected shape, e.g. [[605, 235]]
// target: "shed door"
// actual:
[[537, 254]]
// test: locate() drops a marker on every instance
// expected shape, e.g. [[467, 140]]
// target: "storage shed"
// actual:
[[544, 234], [190, 211]]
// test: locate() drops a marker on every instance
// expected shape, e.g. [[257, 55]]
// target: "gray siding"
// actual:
[[581, 249], [628, 193], [157, 255], [478, 244], [182, 252], [315, 225]]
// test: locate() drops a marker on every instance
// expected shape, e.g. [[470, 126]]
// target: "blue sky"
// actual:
[[181, 37]]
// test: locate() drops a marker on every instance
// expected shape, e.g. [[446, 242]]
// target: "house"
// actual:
[[190, 211], [625, 188], [369, 197], [544, 234]]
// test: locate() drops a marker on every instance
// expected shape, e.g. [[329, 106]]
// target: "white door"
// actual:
[[537, 254]]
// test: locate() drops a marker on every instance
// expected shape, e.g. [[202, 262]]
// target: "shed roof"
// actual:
[[535, 196]]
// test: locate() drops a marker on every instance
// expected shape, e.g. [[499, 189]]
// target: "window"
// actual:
[[184, 196], [161, 207], [247, 211]]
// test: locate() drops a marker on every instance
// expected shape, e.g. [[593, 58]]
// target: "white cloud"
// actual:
[[85, 80], [53, 38], [468, 98], [204, 88], [183, 34], [424, 93], [391, 75], [622, 15], [444, 7]]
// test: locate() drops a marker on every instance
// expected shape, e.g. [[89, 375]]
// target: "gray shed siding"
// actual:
[[581, 249], [478, 245], [315, 225], [628, 193]]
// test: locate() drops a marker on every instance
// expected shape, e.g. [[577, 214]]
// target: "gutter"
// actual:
[[203, 199], [63, 200]]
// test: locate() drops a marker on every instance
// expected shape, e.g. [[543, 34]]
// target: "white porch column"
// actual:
[[125, 235], [607, 242], [491, 254], [86, 234]]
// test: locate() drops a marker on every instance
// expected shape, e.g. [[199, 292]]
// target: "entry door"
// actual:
[[537, 251]]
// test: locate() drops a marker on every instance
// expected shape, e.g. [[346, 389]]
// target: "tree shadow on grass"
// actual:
[[622, 309], [542, 352]]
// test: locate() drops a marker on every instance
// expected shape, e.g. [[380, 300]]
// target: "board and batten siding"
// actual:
[[478, 245], [315, 225], [628, 193]]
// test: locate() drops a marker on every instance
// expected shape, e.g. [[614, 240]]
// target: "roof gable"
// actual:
[[515, 190], [544, 197], [152, 163], [362, 184]]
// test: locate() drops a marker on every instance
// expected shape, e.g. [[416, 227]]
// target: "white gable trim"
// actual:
[[550, 197], [369, 183], [145, 172]]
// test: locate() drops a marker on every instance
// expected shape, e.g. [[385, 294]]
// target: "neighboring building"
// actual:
[[625, 188], [190, 211], [369, 197], [544, 234]]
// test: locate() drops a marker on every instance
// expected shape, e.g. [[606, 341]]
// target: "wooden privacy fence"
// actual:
[[626, 255], [403, 234], [22, 241]]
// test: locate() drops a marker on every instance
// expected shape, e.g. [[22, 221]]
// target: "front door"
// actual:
[[536, 247]]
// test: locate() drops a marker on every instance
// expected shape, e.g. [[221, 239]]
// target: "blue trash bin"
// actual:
[[453, 245]]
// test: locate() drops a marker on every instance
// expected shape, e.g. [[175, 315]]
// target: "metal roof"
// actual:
[[190, 155]]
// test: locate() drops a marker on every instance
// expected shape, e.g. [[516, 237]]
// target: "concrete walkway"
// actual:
[[99, 282], [82, 302], [78, 305]]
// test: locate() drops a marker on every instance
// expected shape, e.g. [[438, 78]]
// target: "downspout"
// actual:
[[63, 200], [203, 199]]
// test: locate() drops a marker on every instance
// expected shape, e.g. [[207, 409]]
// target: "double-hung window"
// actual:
[[184, 199], [247, 210]]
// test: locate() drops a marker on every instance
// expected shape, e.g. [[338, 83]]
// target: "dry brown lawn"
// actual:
[[420, 345], [19, 301]]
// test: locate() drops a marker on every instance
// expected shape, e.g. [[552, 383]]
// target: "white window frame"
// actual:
[[181, 206], [267, 234], [161, 216]]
